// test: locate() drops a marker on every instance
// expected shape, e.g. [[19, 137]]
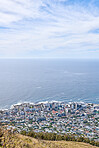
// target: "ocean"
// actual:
[[39, 80]]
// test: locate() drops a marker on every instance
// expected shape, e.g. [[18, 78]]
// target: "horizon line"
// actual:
[[49, 58]]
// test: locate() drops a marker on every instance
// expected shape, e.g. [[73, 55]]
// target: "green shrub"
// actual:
[[56, 137]]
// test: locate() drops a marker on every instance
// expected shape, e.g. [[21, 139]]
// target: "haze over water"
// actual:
[[37, 80]]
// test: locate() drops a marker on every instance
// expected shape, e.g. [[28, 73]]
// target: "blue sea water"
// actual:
[[37, 80]]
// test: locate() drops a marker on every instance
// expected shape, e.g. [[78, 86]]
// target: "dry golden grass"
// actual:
[[19, 141]]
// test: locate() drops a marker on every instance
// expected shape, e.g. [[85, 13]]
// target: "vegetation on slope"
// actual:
[[9, 139], [56, 137]]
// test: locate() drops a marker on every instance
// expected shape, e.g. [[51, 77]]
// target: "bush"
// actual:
[[97, 143], [23, 133], [80, 139], [92, 142], [1, 134]]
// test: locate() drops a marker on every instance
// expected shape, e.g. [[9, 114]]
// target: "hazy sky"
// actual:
[[49, 28]]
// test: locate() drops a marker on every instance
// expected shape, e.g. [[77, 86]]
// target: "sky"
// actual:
[[49, 29]]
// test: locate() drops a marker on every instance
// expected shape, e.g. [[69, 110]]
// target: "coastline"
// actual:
[[44, 102]]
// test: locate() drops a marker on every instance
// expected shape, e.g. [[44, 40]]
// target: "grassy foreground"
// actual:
[[9, 140]]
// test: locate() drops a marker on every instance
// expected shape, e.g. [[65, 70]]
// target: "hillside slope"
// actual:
[[10, 140]]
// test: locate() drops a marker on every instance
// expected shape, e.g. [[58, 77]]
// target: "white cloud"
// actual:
[[48, 28]]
